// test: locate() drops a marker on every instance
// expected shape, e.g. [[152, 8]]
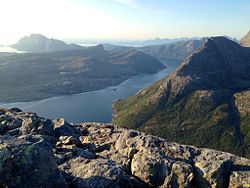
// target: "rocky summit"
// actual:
[[38, 152]]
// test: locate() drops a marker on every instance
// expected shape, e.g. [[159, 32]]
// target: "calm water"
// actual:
[[90, 106]]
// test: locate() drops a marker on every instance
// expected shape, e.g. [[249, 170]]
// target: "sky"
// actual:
[[122, 19]]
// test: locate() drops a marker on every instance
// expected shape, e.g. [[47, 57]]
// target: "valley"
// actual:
[[50, 74]]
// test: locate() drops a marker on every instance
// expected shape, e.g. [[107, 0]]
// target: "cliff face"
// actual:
[[196, 104], [38, 152]]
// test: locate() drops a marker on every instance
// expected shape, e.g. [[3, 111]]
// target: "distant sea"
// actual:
[[87, 44], [4, 48]]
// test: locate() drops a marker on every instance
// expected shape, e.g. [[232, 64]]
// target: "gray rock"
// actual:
[[88, 155], [23, 164], [62, 128], [101, 173]]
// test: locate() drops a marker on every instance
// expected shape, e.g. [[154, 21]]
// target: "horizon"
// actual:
[[122, 20]]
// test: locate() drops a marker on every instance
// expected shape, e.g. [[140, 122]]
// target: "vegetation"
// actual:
[[203, 119]]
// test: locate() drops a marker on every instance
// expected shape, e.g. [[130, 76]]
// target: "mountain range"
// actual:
[[171, 54], [205, 102]]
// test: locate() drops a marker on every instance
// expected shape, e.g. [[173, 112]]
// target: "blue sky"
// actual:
[[123, 19]]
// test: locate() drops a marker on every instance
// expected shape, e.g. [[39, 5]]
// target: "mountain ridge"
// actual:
[[169, 54], [192, 100]]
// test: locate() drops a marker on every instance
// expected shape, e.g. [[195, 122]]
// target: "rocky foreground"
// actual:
[[38, 152]]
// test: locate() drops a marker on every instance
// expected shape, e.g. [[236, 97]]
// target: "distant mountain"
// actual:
[[173, 52], [159, 41], [137, 60], [245, 41], [35, 76], [155, 41], [205, 102], [39, 43], [169, 54]]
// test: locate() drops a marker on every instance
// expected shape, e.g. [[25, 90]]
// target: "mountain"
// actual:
[[205, 102], [169, 54], [245, 41], [46, 75], [140, 61], [155, 41], [39, 44], [174, 52], [160, 41], [39, 152]]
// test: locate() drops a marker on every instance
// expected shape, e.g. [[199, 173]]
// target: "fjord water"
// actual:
[[90, 106]]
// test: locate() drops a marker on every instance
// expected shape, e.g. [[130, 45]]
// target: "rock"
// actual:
[[68, 140], [29, 124], [101, 173], [16, 123], [212, 168], [240, 179], [242, 102], [15, 109], [84, 153], [24, 164], [62, 128], [35, 152], [181, 175], [150, 167], [45, 127]]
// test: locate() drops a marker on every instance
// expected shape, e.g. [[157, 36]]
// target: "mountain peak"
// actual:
[[40, 43], [195, 103], [37, 35], [218, 63], [219, 41]]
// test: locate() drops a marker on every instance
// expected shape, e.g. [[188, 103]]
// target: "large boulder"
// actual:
[[102, 173], [26, 164]]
